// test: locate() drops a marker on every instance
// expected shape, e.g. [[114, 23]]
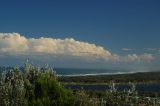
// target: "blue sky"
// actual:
[[131, 25]]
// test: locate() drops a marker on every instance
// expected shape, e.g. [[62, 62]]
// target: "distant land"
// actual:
[[138, 77]]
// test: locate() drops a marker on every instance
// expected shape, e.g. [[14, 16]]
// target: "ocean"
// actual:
[[86, 72], [83, 72]]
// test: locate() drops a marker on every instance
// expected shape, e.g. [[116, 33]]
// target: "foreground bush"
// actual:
[[35, 87]]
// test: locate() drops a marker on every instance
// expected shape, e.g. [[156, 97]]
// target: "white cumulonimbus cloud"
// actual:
[[15, 44]]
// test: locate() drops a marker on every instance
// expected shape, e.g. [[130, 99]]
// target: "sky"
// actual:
[[81, 33]]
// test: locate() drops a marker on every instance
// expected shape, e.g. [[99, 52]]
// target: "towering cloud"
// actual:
[[15, 44]]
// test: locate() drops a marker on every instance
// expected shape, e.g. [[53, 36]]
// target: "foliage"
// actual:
[[34, 87], [12, 89], [39, 87]]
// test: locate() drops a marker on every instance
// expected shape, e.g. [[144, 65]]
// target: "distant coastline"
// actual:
[[97, 74], [123, 77], [76, 72], [71, 72]]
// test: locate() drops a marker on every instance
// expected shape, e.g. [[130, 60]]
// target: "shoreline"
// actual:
[[105, 74], [103, 79]]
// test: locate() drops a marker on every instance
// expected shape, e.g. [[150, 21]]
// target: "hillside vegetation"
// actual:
[[40, 87]]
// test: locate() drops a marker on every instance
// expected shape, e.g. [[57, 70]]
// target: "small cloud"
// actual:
[[144, 57], [151, 49], [126, 49]]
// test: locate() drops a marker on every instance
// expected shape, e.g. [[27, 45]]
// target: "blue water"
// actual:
[[139, 87], [79, 72], [84, 72]]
